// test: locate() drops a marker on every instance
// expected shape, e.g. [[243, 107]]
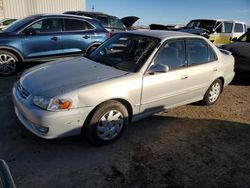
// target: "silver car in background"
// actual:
[[131, 76]]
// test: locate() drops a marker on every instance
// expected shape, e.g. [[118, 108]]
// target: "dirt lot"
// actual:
[[190, 146]]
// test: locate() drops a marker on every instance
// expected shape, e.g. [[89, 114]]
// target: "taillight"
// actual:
[[108, 34]]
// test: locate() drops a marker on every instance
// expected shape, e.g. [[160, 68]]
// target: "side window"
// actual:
[[76, 25], [47, 26], [219, 27], [228, 27], [103, 20], [238, 28], [172, 54], [199, 52]]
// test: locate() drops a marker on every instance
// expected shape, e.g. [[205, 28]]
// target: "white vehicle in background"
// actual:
[[5, 22], [218, 31]]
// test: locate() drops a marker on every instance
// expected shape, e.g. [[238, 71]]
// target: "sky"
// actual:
[[173, 11]]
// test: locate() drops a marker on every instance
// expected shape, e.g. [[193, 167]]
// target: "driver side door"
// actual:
[[166, 89], [42, 39]]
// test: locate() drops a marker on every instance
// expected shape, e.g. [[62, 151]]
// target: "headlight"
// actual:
[[51, 103], [42, 102]]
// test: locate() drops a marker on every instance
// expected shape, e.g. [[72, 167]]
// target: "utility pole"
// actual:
[[93, 8]]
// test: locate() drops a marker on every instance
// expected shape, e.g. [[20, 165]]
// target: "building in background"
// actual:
[[22, 8]]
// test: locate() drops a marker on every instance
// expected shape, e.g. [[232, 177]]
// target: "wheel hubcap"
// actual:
[[7, 64], [110, 125], [214, 92]]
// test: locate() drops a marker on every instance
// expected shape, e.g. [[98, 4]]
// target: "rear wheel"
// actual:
[[8, 63], [90, 50], [107, 123], [213, 92]]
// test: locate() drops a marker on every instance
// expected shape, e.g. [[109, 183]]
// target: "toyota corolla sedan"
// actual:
[[130, 76]]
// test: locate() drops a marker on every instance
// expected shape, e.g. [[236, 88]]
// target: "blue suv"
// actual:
[[46, 37]]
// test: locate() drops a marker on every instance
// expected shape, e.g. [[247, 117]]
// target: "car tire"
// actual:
[[213, 93], [107, 123], [8, 63]]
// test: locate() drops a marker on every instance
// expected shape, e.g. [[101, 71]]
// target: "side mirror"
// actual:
[[29, 31], [158, 68]]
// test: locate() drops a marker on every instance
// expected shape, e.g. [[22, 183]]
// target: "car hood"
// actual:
[[129, 20], [55, 78]]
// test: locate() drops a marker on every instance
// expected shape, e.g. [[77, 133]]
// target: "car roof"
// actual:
[[162, 34], [92, 13], [219, 20], [61, 15]]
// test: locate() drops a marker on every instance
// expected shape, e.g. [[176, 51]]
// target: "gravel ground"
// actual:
[[189, 146]]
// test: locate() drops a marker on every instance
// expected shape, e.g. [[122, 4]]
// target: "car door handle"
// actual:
[[183, 77], [86, 37], [54, 38], [215, 69]]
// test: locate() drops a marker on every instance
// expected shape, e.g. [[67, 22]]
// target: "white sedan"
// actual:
[[131, 76]]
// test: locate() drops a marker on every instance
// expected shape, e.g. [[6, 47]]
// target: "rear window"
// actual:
[[115, 23], [76, 25], [103, 20], [238, 28]]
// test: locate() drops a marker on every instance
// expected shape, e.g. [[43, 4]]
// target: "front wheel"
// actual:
[[8, 63], [213, 92], [107, 123]]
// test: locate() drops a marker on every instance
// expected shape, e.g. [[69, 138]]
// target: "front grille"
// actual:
[[23, 92]]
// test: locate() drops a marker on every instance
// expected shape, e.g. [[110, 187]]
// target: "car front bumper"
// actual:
[[47, 124]]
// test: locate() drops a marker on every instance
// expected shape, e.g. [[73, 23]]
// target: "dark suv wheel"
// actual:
[[8, 62]]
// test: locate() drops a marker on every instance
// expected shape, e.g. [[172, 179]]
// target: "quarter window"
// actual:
[[76, 25], [47, 26], [172, 54], [238, 28], [199, 52]]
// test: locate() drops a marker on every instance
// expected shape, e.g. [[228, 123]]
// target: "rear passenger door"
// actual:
[[77, 35], [202, 69]]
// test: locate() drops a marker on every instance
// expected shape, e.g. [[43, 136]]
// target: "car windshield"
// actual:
[[245, 37], [125, 51], [204, 24], [18, 24]]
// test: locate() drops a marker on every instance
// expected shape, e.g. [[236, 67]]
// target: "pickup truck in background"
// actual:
[[218, 31]]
